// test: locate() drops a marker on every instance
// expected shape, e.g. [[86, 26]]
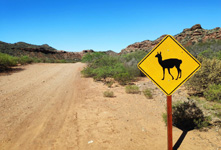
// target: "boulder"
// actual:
[[197, 26]]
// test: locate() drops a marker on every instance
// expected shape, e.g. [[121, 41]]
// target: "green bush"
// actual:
[[109, 83], [122, 68], [208, 49], [108, 94], [213, 93], [25, 60], [209, 53], [7, 61], [105, 60], [90, 57], [131, 60], [218, 114], [148, 93], [102, 73], [36, 60], [132, 89], [138, 56], [123, 78], [187, 116], [102, 66], [209, 73], [87, 72], [61, 61], [164, 116]]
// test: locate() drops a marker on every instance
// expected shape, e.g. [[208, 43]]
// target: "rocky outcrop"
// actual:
[[188, 37], [195, 27], [56, 54], [87, 51], [39, 51], [111, 53]]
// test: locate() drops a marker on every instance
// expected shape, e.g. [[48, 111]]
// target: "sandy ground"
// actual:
[[51, 107]]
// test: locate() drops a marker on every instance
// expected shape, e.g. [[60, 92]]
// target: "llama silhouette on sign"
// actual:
[[169, 63]]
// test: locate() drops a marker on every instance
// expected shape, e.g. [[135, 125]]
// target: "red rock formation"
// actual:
[[188, 37]]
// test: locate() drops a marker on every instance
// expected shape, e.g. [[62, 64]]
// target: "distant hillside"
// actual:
[[191, 38], [39, 51]]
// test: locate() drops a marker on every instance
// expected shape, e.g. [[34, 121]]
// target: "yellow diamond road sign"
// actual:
[[169, 65]]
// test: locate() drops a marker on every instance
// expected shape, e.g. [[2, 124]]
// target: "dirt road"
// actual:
[[51, 107]]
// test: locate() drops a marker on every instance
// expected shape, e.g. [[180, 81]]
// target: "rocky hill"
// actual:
[[189, 37], [39, 51]]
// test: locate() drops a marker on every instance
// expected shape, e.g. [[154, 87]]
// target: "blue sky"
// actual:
[[75, 25]]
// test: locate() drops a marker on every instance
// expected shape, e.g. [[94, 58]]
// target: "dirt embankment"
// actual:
[[50, 106]]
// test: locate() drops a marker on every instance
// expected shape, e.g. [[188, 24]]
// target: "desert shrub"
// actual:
[[90, 57], [208, 49], [218, 114], [106, 70], [7, 61], [213, 93], [122, 68], [209, 73], [123, 78], [132, 89], [49, 60], [109, 83], [87, 72], [102, 73], [25, 60], [209, 53], [132, 68], [104, 66], [148, 93], [36, 60], [164, 116], [131, 60], [138, 56], [105, 60], [62, 61], [218, 55], [187, 116], [108, 94]]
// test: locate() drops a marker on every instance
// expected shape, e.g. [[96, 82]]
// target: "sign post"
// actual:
[[169, 123], [169, 65]]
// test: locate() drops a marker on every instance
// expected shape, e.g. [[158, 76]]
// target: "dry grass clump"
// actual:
[[148, 93], [132, 89], [108, 94]]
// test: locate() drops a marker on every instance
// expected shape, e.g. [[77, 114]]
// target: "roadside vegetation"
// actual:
[[211, 107], [188, 116], [122, 69], [132, 89], [209, 49], [108, 93], [148, 93], [7, 61], [207, 81], [204, 86]]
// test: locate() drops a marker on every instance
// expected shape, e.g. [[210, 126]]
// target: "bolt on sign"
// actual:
[[169, 65]]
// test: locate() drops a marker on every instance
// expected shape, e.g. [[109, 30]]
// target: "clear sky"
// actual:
[[75, 25]]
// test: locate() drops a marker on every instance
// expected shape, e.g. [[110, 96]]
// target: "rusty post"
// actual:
[[169, 122]]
